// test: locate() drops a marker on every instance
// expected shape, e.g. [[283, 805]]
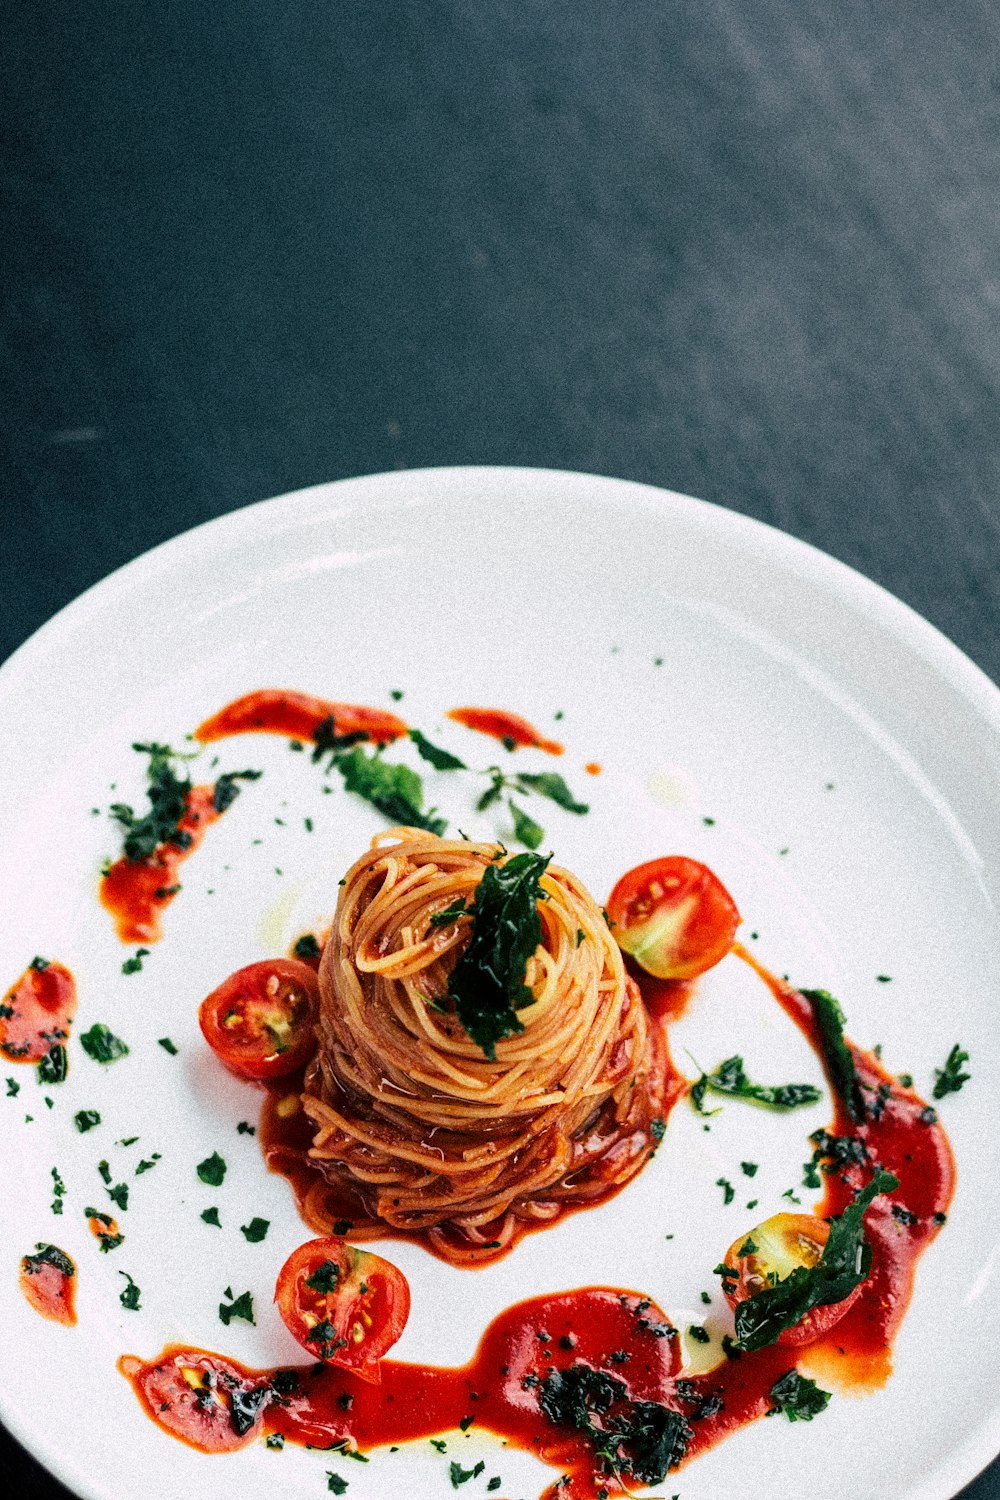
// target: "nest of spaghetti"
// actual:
[[432, 1135]]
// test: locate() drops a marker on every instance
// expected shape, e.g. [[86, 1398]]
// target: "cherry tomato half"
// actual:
[[673, 916], [781, 1244], [345, 1306], [260, 1021]]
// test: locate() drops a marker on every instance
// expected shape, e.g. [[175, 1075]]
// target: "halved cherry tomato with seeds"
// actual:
[[770, 1253], [260, 1021], [673, 916], [346, 1306]]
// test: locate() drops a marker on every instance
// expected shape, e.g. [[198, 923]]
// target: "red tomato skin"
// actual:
[[371, 1295], [818, 1320], [245, 1047], [674, 916]]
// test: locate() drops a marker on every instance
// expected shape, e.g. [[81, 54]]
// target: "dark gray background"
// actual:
[[749, 250]]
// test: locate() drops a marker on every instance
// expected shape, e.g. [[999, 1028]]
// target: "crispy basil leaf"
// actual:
[[800, 1399], [729, 1078], [487, 984], [846, 1262], [837, 1054], [441, 760], [550, 784], [394, 789]]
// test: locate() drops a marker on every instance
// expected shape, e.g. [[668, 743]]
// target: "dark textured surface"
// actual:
[[738, 250]]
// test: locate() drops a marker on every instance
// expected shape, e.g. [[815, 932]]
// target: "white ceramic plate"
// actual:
[[849, 757]]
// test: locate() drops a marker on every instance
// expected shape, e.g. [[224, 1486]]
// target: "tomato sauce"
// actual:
[[35, 1015], [900, 1132], [48, 1283], [136, 891], [298, 715], [507, 1388], [619, 1332], [509, 728]]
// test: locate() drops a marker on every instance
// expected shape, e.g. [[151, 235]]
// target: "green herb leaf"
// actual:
[[48, 1255], [459, 1475], [487, 984], [168, 1045], [226, 791], [211, 1216], [639, 1438], [239, 1307], [212, 1170], [441, 760], [550, 784], [837, 1055], [798, 1398], [133, 965], [167, 793], [845, 1263], [950, 1078], [449, 914], [526, 830], [395, 790], [729, 1078], [102, 1045], [335, 1483], [325, 1277], [54, 1066], [255, 1231], [86, 1119], [306, 947], [130, 1296]]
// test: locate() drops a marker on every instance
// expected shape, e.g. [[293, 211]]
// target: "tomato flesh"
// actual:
[[346, 1306], [673, 916], [783, 1243], [260, 1021]]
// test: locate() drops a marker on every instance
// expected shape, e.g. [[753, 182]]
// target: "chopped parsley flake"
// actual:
[[168, 1046], [102, 1045], [238, 1307], [950, 1078], [133, 965], [211, 1216], [212, 1170], [798, 1398], [130, 1296], [730, 1078], [86, 1119], [255, 1231], [728, 1191]]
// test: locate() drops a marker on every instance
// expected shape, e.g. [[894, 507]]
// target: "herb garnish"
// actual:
[[255, 1231], [47, 1255], [239, 1307], [800, 1399], [950, 1078], [640, 1438], [168, 794], [394, 789], [226, 791], [306, 947], [526, 830], [730, 1078], [845, 1263], [130, 1296], [212, 1170], [86, 1119], [325, 1277], [837, 1054], [441, 760], [102, 1045], [133, 965], [54, 1066], [487, 984], [458, 1475]]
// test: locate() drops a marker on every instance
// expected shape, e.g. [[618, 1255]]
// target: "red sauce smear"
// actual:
[[510, 728], [36, 1014], [135, 891], [899, 1132], [593, 768], [610, 1330], [50, 1284], [298, 715], [500, 1388]]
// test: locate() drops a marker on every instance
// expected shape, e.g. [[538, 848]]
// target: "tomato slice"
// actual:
[[673, 916], [204, 1399], [260, 1021], [346, 1306], [782, 1244]]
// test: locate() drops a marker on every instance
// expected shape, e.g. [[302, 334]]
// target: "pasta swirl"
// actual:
[[432, 1134]]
